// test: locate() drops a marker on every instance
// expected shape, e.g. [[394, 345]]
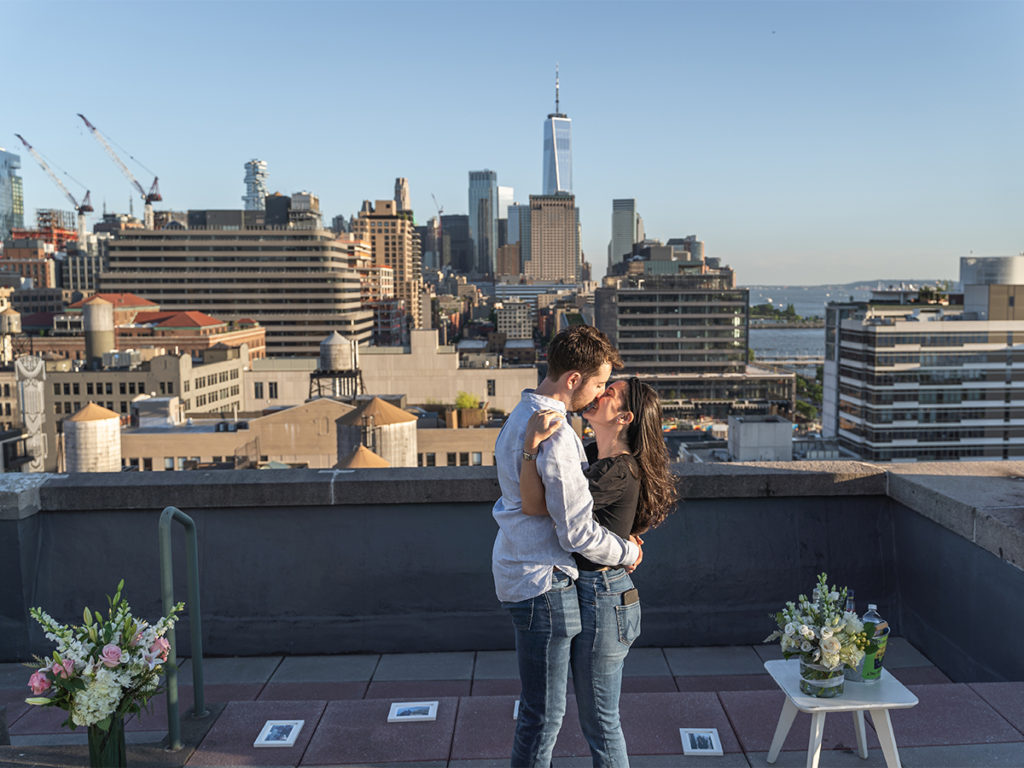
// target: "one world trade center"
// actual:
[[557, 150]]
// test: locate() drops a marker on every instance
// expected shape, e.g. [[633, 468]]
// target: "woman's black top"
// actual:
[[615, 486]]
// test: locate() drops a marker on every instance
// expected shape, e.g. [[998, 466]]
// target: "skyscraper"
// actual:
[[553, 254], [402, 199], [392, 235], [12, 201], [557, 150], [627, 229], [255, 185], [483, 218]]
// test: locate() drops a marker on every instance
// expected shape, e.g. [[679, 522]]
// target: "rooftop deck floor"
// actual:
[[345, 701]]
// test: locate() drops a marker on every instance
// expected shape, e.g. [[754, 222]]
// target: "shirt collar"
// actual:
[[542, 401]]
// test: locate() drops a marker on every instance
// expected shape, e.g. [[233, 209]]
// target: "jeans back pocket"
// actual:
[[627, 618]]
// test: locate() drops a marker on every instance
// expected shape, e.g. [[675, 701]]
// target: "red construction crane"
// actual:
[[82, 209], [148, 197]]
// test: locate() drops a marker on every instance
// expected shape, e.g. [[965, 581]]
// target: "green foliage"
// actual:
[[466, 400]]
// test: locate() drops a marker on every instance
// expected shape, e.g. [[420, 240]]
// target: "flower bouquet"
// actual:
[[826, 637], [101, 671]]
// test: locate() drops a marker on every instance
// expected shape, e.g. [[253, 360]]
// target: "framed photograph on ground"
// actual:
[[279, 733], [701, 741], [410, 711]]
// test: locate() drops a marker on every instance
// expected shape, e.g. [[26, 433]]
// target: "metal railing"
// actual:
[[169, 515]]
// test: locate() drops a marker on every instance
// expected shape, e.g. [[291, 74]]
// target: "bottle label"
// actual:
[[872, 669]]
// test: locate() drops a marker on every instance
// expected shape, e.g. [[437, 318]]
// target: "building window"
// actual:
[[490, 387], [88, 388], [67, 388], [451, 460], [169, 463], [163, 388], [109, 388], [429, 459], [257, 390], [181, 462], [147, 465], [56, 388], [464, 459], [478, 458], [170, 387], [123, 387], [272, 390], [74, 388]]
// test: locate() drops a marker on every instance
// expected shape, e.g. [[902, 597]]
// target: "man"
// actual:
[[534, 571]]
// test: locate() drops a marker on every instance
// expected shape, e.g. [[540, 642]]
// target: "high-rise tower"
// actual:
[[402, 194], [12, 201], [557, 150], [255, 185], [483, 218]]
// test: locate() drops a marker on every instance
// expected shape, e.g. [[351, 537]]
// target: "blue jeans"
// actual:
[[598, 652], [545, 627]]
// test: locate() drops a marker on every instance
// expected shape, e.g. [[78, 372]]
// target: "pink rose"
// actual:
[[39, 682], [110, 655], [65, 669], [161, 648]]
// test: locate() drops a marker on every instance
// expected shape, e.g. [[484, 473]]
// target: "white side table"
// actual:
[[875, 698]]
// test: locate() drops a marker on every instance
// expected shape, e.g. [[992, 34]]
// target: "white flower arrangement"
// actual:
[[104, 668], [821, 631]]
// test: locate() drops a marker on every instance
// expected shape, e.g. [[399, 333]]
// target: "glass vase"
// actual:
[[822, 683], [106, 748]]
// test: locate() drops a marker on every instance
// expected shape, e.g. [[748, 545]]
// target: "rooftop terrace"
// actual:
[[327, 595]]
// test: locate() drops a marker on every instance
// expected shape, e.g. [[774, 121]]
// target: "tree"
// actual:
[[466, 400]]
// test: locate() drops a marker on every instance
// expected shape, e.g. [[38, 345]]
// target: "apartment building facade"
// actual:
[[395, 243]]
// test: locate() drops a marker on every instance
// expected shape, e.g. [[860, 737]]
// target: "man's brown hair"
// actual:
[[581, 348]]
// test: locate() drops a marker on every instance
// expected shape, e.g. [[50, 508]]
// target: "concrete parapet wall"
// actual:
[[385, 560]]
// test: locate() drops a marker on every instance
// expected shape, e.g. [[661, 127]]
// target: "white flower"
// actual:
[[833, 596], [791, 628], [830, 645], [805, 646], [807, 632], [826, 632], [99, 699]]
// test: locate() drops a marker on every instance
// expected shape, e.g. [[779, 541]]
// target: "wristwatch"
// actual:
[[527, 456]]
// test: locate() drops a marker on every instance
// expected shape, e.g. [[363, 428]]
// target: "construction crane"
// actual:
[[82, 209], [148, 197]]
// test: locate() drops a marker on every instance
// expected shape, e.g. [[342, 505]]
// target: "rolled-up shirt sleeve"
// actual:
[[570, 505]]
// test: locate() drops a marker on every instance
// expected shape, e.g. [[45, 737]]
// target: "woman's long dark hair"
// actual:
[[658, 493]]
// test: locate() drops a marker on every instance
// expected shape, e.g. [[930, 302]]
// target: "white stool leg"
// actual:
[[786, 718], [862, 739], [814, 742], [886, 738]]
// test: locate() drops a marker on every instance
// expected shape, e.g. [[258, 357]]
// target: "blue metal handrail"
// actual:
[[169, 515]]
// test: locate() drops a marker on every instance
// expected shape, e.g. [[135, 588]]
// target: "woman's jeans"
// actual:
[[610, 618], [589, 621]]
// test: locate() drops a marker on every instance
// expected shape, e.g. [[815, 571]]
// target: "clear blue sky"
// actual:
[[804, 142]]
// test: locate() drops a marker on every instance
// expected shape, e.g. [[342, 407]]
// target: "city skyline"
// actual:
[[803, 143]]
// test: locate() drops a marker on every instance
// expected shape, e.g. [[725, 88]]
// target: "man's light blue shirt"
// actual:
[[527, 548]]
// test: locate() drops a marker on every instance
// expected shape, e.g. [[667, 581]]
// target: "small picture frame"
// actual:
[[279, 733], [701, 741], [411, 711]]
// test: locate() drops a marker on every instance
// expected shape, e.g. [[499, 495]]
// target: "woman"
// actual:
[[633, 492]]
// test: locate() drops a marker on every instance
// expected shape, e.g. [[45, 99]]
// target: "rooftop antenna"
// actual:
[[556, 89]]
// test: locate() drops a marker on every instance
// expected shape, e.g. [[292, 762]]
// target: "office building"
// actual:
[[32, 259], [927, 381], [557, 150], [483, 219], [627, 229], [394, 243], [506, 197], [554, 244], [686, 335], [457, 250], [12, 196], [299, 284], [508, 265]]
